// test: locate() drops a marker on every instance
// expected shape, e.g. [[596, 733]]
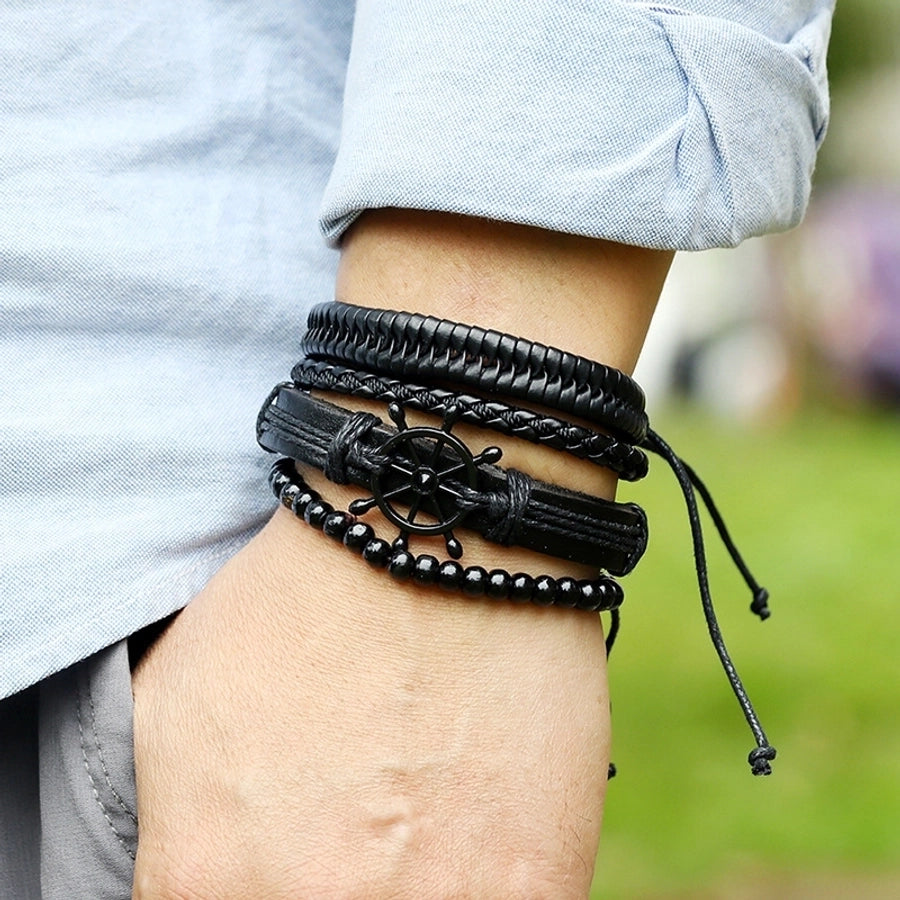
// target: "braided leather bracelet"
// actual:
[[401, 344], [627, 461], [432, 471], [591, 595]]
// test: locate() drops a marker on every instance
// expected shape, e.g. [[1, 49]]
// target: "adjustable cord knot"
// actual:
[[506, 510], [346, 444], [690, 482], [759, 759], [760, 604]]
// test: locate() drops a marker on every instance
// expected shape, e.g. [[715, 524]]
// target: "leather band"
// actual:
[[628, 462], [504, 506], [401, 344]]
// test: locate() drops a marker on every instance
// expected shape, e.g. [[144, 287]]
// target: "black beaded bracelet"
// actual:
[[390, 342], [590, 595], [627, 461], [432, 471]]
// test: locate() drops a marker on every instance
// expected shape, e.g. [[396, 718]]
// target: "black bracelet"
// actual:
[[401, 344], [391, 342], [430, 470], [627, 461], [590, 595]]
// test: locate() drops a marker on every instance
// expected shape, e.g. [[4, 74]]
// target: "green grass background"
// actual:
[[813, 505]]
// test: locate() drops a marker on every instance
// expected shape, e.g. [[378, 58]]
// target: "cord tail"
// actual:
[[761, 757]]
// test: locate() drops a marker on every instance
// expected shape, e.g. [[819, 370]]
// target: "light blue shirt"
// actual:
[[167, 171]]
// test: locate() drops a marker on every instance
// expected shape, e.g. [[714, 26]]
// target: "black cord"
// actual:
[[761, 757], [602, 449], [614, 622], [760, 603]]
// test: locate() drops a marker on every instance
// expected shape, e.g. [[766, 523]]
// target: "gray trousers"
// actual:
[[68, 828]]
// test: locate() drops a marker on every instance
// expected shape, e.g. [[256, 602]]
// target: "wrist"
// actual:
[[589, 297]]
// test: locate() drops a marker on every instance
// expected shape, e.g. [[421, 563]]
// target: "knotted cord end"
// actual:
[[760, 604], [760, 759]]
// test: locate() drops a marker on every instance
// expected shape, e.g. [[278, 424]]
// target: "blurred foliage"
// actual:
[[865, 37], [813, 506], [812, 502], [864, 70]]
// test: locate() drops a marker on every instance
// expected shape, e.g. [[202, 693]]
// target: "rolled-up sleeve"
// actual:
[[680, 127]]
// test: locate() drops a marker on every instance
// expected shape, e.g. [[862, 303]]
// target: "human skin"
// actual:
[[309, 728]]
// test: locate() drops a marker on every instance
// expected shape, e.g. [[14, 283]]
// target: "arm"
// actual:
[[396, 742], [306, 728]]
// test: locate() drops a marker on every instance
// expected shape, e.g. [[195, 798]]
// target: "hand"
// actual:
[[309, 728]]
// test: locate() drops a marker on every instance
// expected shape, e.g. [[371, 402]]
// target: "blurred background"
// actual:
[[774, 369]]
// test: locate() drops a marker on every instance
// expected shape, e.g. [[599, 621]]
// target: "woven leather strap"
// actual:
[[402, 344]]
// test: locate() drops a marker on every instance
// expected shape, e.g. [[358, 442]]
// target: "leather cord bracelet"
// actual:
[[402, 344], [399, 345], [591, 595], [627, 461], [431, 471]]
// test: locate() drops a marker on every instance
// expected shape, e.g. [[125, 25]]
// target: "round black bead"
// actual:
[[567, 593], [544, 590], [358, 535], [281, 466], [498, 584], [615, 595], [521, 587], [302, 500], [474, 581], [277, 481], [337, 523], [426, 570], [376, 552], [450, 575], [401, 564], [316, 513], [591, 597], [288, 493], [601, 595]]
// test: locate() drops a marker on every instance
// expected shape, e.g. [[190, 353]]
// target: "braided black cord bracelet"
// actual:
[[627, 461]]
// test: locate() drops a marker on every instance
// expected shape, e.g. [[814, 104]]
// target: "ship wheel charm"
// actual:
[[424, 472]]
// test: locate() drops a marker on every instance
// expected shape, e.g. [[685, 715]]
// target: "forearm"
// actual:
[[586, 296], [439, 745]]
